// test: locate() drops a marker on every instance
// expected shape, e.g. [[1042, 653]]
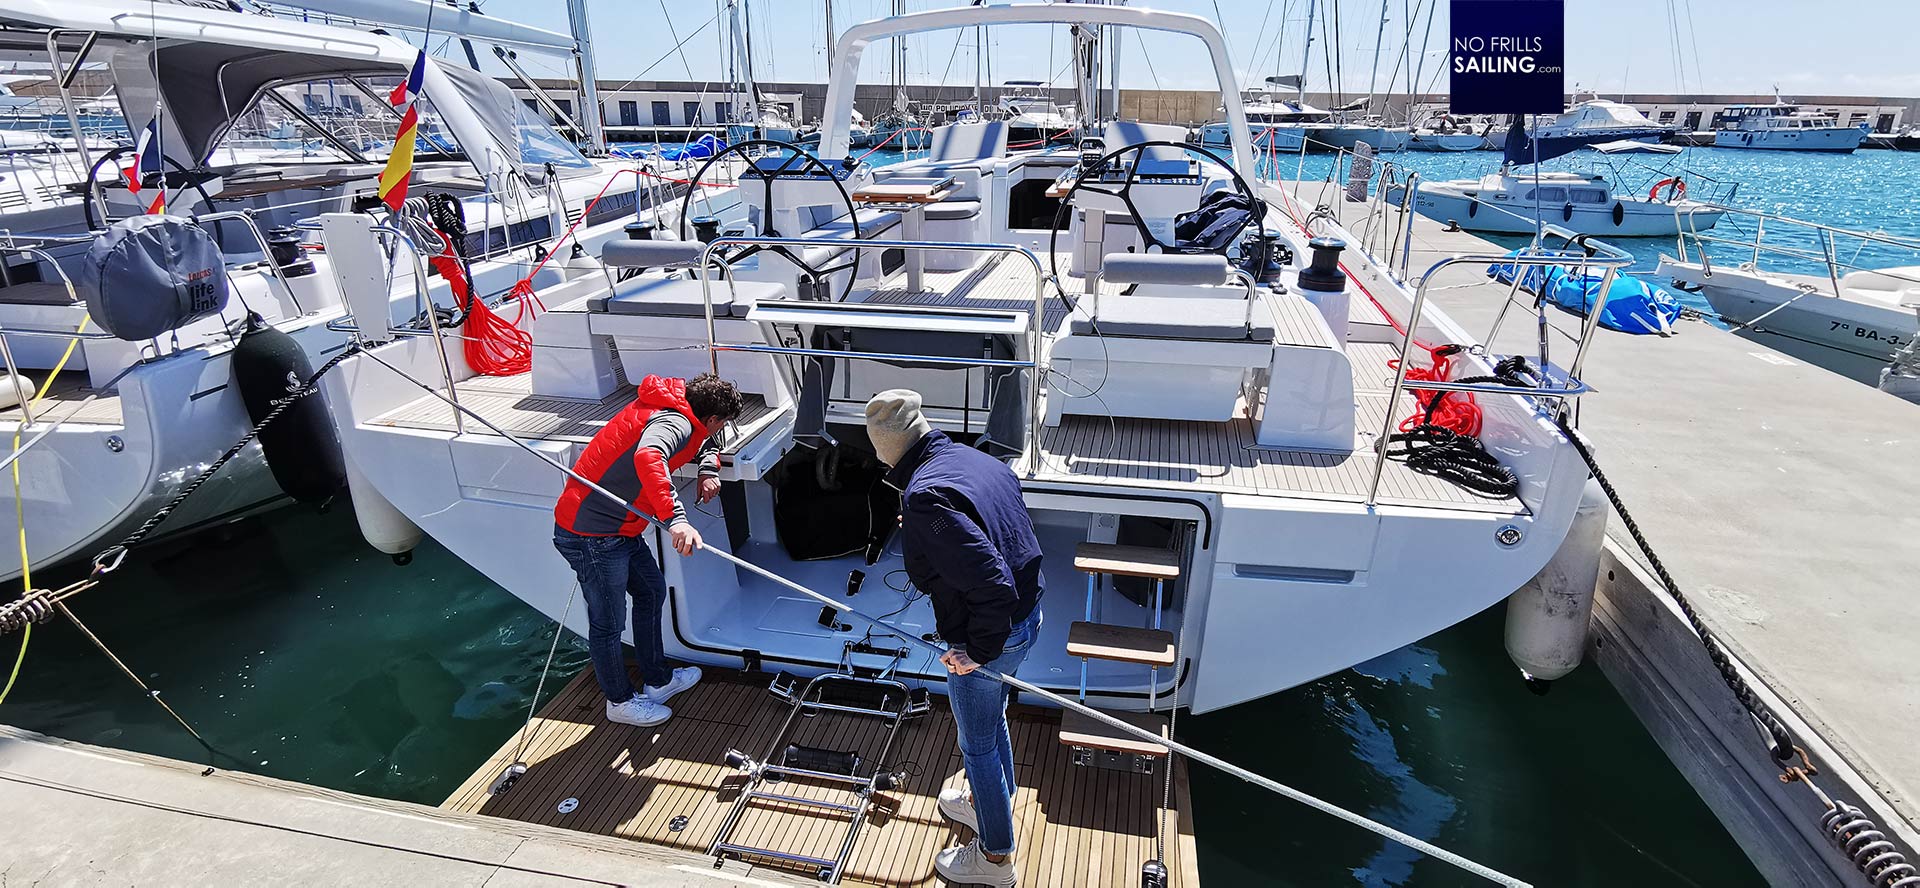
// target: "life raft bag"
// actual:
[[152, 274]]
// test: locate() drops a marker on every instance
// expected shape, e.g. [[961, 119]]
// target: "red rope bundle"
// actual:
[[1456, 411], [493, 345]]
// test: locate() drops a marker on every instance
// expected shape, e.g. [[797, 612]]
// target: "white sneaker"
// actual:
[[967, 865], [683, 678], [638, 711], [958, 807]]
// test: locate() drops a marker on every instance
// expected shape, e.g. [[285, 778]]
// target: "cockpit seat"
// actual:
[[665, 297], [968, 152], [1209, 318]]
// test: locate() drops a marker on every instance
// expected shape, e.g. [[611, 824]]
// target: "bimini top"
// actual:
[[852, 43], [206, 65]]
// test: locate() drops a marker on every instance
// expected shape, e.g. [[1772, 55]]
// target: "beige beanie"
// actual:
[[894, 424]]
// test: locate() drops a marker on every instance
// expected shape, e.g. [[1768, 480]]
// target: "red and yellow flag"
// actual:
[[393, 179]]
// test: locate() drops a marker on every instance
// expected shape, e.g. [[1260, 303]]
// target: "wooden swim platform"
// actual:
[[1078, 827]]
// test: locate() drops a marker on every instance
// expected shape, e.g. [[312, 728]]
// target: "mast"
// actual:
[[1373, 77], [829, 5], [1306, 57], [589, 115], [743, 46], [900, 62]]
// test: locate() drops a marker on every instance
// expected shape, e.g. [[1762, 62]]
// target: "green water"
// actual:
[[304, 654]]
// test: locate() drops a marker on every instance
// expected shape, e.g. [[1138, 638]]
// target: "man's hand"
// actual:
[[708, 488], [685, 538], [957, 662]]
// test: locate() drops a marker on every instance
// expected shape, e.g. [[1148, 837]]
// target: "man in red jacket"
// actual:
[[667, 426]]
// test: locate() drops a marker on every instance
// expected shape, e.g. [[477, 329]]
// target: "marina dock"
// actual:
[[87, 815], [1781, 497], [669, 787]]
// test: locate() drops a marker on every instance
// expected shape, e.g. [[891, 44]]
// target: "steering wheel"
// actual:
[[792, 164], [1125, 195], [93, 184]]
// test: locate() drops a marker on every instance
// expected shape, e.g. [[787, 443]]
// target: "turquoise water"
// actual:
[[303, 654]]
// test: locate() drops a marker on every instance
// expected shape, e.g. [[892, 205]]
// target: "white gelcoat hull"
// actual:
[[1837, 140], [1638, 218], [1849, 336]]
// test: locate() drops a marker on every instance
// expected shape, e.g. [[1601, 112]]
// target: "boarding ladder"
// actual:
[[1096, 743], [849, 692]]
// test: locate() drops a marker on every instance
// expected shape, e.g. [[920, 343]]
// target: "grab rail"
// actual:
[[1035, 332], [1064, 702], [1827, 256], [1614, 260]]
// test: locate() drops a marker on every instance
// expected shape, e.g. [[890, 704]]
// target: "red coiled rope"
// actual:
[[1455, 411]]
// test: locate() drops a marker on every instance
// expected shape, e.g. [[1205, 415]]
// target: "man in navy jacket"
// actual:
[[969, 545]]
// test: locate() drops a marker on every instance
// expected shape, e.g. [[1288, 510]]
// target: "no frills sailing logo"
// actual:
[[1506, 56]]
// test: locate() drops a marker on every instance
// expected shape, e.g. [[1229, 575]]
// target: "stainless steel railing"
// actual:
[[1612, 261], [1826, 235], [1036, 329]]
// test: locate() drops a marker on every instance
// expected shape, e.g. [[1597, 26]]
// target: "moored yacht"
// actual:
[[1032, 116], [1160, 404], [1784, 127], [129, 423], [1592, 121]]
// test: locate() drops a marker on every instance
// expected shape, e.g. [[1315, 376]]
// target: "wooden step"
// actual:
[[1105, 641], [1126, 561], [1077, 729]]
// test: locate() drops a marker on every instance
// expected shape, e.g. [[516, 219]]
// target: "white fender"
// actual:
[[1547, 617], [13, 387], [382, 525]]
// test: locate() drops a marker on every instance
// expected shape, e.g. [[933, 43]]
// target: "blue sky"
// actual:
[[1847, 47]]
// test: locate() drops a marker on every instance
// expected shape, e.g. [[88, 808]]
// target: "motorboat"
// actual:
[[1520, 198], [1442, 133], [1516, 201], [1784, 127], [1591, 121], [1854, 321], [1155, 399], [126, 424], [1032, 116], [1277, 125]]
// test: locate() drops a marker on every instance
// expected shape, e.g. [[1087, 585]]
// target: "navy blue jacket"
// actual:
[[969, 543]]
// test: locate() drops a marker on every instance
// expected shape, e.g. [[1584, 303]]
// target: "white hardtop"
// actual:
[[1602, 114]]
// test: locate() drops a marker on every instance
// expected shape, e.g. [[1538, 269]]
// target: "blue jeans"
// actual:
[[980, 713], [611, 568]]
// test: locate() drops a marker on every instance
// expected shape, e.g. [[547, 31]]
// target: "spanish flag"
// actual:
[[393, 180]]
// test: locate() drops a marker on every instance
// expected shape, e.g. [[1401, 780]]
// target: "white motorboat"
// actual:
[[1442, 133], [1277, 125], [1032, 116], [132, 422], [1853, 321], [1511, 201], [1591, 121], [1170, 405], [1784, 127]]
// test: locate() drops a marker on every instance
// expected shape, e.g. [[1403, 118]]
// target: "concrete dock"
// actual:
[[1785, 500], [86, 815]]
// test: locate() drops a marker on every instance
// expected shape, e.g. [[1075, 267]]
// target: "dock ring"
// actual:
[[1509, 535], [567, 805]]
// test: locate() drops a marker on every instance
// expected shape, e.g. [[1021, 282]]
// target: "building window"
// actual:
[[662, 114], [629, 113], [722, 113], [1885, 124], [1666, 116], [1693, 120], [531, 104], [566, 106], [692, 112]]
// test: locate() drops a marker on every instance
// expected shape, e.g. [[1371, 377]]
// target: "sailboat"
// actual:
[[126, 424]]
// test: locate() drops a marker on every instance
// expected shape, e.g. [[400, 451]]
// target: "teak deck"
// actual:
[[1077, 826]]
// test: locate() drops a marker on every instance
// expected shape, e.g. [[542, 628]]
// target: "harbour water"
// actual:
[[301, 653]]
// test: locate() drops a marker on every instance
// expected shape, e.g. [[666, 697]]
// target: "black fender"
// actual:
[[301, 446]]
